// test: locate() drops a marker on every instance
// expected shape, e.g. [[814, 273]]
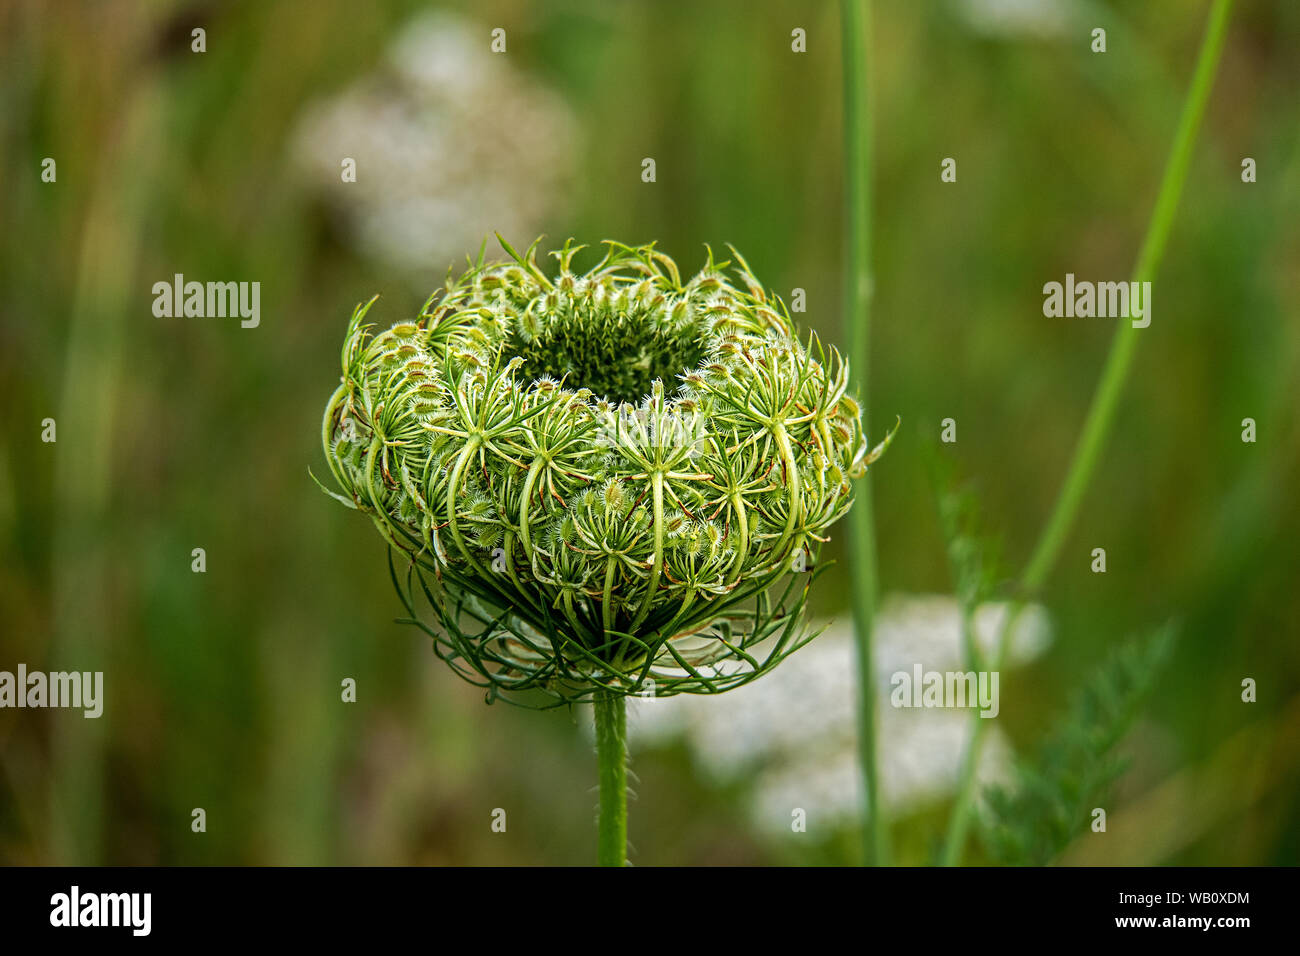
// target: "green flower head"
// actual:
[[613, 480]]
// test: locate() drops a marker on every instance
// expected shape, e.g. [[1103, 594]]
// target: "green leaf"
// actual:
[[1032, 821]]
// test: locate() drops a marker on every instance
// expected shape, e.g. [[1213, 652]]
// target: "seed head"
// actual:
[[530, 419]]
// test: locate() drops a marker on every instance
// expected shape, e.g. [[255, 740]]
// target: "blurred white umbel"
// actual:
[[796, 728], [451, 143], [1017, 18]]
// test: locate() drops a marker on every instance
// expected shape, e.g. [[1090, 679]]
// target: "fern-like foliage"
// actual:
[[1052, 798]]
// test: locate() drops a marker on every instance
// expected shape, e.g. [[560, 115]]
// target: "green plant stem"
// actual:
[[855, 27], [959, 819], [611, 755], [1105, 401], [1101, 415]]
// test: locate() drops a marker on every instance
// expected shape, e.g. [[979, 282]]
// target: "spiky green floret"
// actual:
[[597, 479]]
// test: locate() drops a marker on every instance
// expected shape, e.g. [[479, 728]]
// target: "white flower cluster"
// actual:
[[450, 141], [796, 731]]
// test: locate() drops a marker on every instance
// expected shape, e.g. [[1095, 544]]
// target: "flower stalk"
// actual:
[[855, 29], [1105, 401], [611, 757], [1101, 414]]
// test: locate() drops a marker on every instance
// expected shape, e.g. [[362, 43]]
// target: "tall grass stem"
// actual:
[[1105, 401], [855, 28]]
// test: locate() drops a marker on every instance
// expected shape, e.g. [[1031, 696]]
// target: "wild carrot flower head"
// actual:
[[616, 479]]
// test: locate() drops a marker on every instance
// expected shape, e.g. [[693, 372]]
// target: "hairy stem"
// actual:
[[611, 756], [1101, 414], [855, 28]]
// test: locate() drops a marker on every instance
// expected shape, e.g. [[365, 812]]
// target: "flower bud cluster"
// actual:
[[606, 471]]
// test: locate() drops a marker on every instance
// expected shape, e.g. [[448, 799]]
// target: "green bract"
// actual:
[[597, 479]]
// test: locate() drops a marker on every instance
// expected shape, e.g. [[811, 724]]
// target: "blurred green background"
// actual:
[[175, 434]]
